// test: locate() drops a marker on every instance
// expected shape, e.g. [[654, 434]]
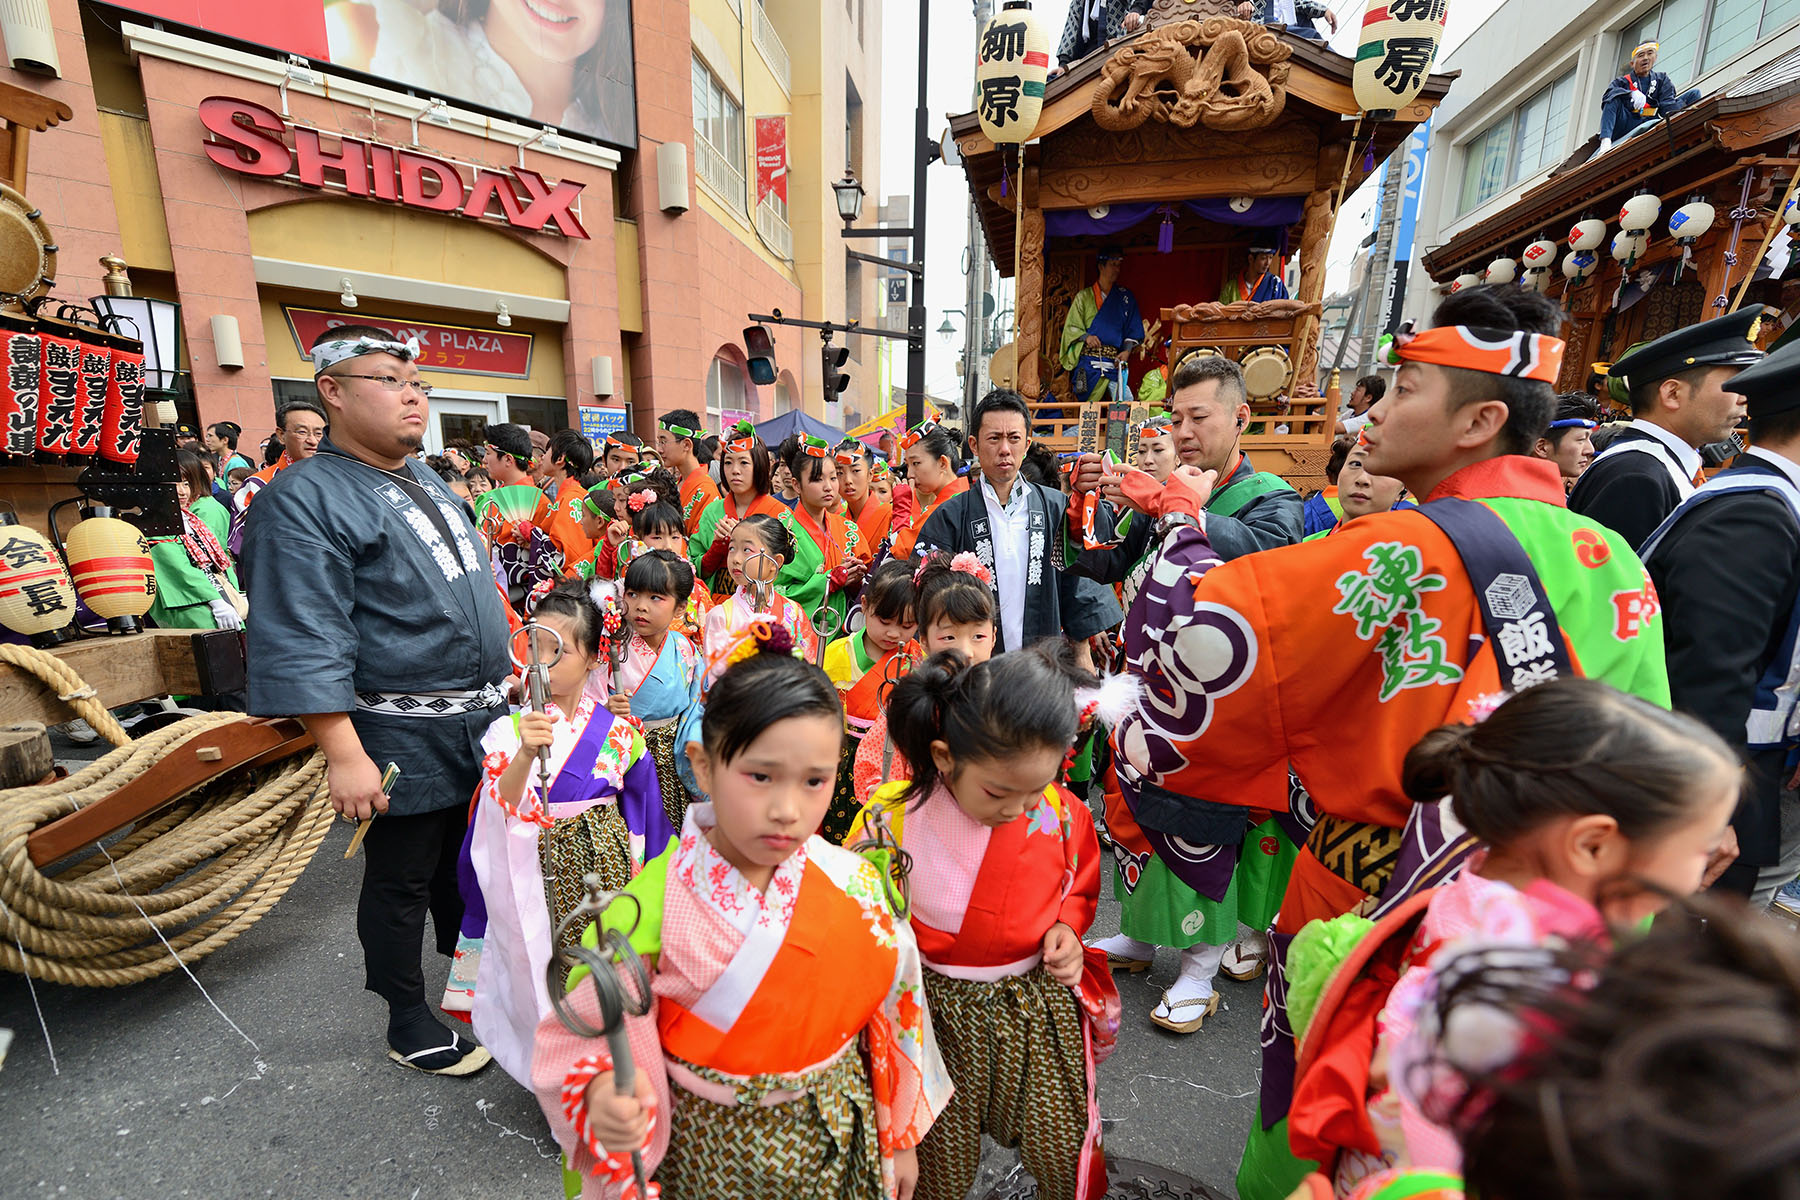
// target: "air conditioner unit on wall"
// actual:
[[30, 40]]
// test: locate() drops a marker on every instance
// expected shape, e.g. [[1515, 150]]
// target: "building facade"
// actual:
[[586, 260], [1528, 101]]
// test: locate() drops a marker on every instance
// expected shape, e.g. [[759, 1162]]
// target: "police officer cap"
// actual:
[[1728, 341], [1772, 385]]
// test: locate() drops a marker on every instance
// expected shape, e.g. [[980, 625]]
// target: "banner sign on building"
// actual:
[[1412, 186], [480, 54], [456, 348], [597, 422], [254, 140], [771, 157]]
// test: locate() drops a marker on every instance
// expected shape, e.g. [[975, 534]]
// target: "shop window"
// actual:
[[546, 414], [1518, 145], [718, 136], [724, 392]]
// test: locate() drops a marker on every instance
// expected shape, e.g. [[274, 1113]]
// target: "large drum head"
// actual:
[[1196, 352], [1266, 372]]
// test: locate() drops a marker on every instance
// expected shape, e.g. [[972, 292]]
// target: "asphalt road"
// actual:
[[154, 1093]]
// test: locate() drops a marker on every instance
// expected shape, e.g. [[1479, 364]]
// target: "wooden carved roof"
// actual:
[[1703, 148], [1197, 104]]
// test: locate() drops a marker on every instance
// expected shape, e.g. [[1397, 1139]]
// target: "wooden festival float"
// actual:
[[176, 842], [1175, 144]]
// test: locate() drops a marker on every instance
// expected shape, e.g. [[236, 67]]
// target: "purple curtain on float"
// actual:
[[1264, 212]]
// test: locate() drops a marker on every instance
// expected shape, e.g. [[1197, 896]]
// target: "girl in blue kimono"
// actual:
[[657, 680]]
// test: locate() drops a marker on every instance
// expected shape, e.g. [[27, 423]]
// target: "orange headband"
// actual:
[[1490, 351]]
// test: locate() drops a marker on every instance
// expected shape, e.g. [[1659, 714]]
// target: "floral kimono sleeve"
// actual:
[[910, 1083]]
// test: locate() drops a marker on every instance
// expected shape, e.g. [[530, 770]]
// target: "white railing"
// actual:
[[774, 230], [720, 175], [768, 42]]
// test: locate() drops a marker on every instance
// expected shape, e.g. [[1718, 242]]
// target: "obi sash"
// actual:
[[752, 1020], [585, 777]]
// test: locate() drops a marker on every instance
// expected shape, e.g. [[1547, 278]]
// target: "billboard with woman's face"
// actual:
[[565, 63]]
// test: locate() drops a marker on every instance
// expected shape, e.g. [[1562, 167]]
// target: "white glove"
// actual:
[[224, 616], [1638, 101]]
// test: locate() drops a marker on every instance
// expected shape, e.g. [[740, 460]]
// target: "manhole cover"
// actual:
[[1126, 1179]]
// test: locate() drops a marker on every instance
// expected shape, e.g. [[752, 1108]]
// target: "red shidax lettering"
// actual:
[[251, 137]]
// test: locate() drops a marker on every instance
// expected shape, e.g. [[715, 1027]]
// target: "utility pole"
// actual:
[[915, 315], [975, 323], [1381, 264]]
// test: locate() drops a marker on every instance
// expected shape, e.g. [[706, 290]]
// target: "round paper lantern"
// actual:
[[1790, 212], [1394, 54], [1539, 255], [1587, 234], [1470, 279], [1502, 270], [1640, 213], [1538, 281], [114, 576], [1579, 264], [37, 598], [1628, 247], [1012, 61], [1691, 221]]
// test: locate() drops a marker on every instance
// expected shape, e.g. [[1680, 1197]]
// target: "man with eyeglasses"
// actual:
[[300, 424], [378, 624]]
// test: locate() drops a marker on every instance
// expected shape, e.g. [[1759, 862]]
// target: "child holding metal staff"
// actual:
[[527, 850], [658, 679], [789, 1053]]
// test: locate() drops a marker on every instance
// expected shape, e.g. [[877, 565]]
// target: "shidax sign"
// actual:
[[252, 140]]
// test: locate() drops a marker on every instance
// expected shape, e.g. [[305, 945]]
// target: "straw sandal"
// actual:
[[1208, 1006]]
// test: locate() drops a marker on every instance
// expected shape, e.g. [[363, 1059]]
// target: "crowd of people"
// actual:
[[863, 732]]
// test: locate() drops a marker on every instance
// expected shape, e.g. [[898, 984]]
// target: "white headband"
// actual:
[[326, 355]]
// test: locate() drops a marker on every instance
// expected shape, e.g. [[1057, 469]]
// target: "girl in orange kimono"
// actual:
[[953, 601], [874, 516], [829, 557], [863, 665], [1005, 878], [788, 1052], [931, 458]]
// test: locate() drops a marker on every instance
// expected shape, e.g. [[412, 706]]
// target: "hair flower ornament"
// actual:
[[640, 499]]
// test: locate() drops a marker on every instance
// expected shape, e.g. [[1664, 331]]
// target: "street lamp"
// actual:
[[946, 330], [849, 196]]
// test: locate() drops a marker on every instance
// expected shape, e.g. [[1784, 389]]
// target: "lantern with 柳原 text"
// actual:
[[110, 563], [1399, 42], [37, 598], [1502, 270], [1012, 63]]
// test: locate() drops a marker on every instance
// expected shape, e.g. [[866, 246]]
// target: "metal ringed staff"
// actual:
[[537, 685], [616, 1000]]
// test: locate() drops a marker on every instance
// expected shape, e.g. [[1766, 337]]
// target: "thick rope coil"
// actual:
[[198, 873]]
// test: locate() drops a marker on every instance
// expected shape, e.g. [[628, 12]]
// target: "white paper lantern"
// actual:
[[1790, 212], [1470, 279], [1579, 264], [1628, 246], [1640, 213], [1691, 221], [1012, 62], [1502, 270], [1538, 281], [1540, 255], [1587, 234]]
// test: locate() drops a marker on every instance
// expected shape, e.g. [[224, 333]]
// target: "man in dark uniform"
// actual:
[[1679, 402], [1727, 570]]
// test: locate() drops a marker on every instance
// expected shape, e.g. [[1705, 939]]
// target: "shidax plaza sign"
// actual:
[[252, 140]]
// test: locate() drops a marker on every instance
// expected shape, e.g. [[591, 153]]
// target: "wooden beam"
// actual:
[[1029, 303], [121, 670], [1084, 187]]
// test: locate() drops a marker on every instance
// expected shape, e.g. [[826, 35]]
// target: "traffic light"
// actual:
[[759, 348], [835, 378]]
